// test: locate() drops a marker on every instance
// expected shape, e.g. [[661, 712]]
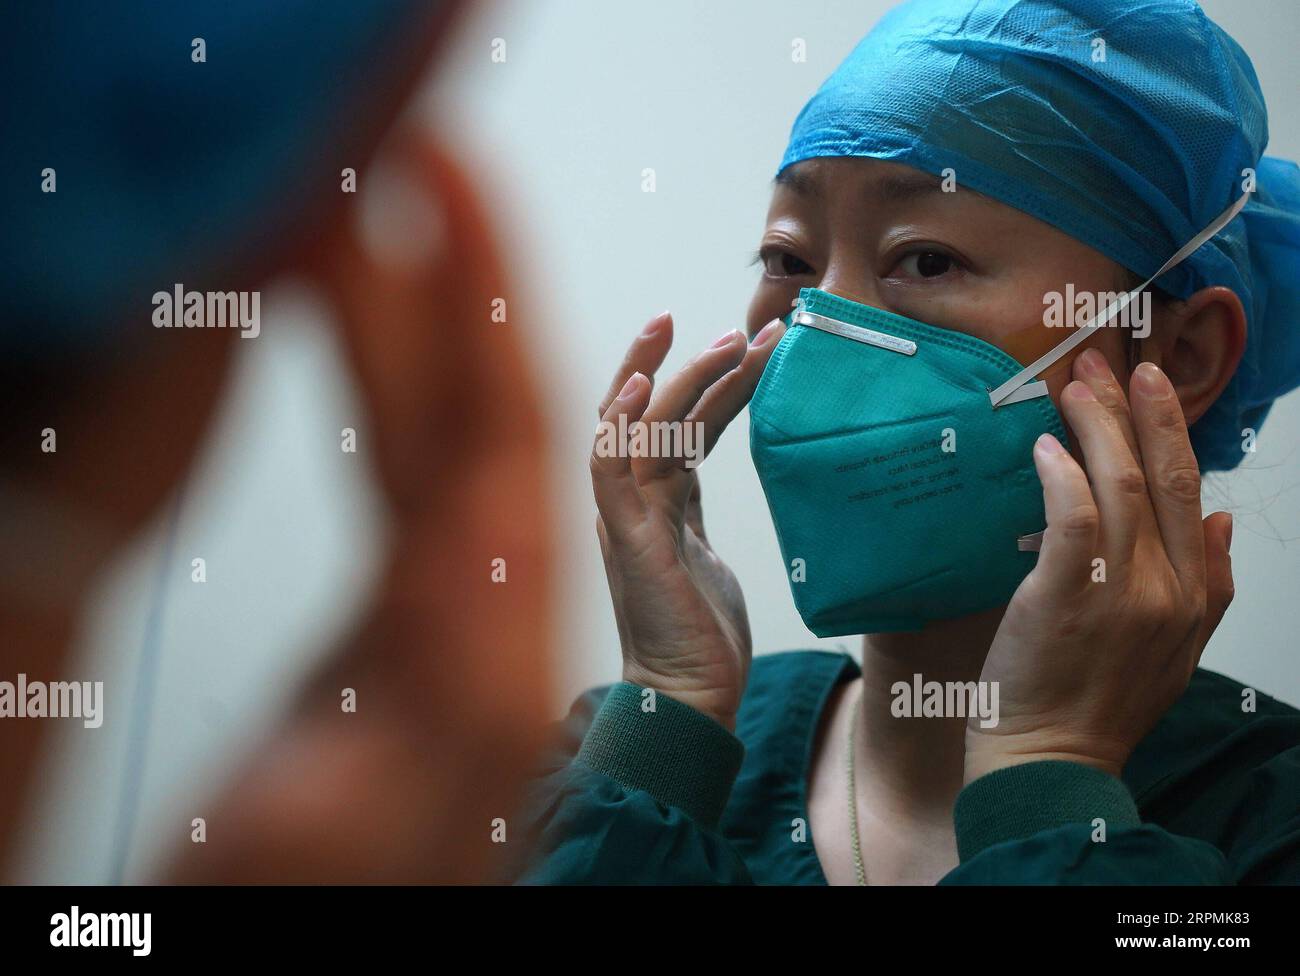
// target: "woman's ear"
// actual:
[[1198, 343]]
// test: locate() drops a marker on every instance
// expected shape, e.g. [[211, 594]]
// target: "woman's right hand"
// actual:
[[681, 616]]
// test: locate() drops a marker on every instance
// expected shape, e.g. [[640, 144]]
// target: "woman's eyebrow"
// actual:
[[902, 188], [800, 182], [892, 188]]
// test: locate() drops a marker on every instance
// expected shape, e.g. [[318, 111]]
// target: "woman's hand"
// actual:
[[681, 616], [1103, 636]]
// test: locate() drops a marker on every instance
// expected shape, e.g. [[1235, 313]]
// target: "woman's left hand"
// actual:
[[1104, 635]]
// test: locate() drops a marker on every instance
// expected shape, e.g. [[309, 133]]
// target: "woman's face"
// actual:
[[887, 235]]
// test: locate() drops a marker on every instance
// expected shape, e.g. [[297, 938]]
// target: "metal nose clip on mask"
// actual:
[[897, 461]]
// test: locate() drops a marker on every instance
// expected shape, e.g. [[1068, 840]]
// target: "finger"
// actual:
[[1173, 474], [1118, 483], [645, 356], [1091, 368], [676, 397], [1070, 541], [727, 397], [618, 498], [1219, 586]]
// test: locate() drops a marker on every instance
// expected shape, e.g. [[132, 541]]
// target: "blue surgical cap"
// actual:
[[166, 168], [1128, 126]]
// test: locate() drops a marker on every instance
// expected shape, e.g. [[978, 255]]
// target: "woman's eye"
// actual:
[[782, 264], [926, 264]]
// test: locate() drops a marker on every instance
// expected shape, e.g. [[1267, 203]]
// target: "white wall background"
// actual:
[[590, 94]]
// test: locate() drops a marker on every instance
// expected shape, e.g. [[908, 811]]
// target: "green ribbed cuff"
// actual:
[[1018, 801], [679, 756]]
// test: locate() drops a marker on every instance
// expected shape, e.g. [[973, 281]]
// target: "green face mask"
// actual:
[[900, 492]]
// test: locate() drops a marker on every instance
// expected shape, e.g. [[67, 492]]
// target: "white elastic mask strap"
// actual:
[[1011, 391]]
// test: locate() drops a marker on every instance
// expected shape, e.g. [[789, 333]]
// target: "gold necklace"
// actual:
[[854, 721]]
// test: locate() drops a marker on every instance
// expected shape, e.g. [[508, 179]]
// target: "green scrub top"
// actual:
[[1211, 796]]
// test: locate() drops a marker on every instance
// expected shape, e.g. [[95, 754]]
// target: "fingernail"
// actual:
[[1228, 540], [1081, 391], [633, 382], [765, 332], [1094, 363], [1049, 444], [655, 324], [725, 339], [1151, 380]]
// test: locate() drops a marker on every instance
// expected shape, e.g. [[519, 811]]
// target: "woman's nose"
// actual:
[[850, 279]]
